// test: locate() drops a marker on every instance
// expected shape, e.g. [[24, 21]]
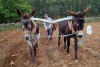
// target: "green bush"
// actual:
[[8, 8], [92, 19], [10, 27]]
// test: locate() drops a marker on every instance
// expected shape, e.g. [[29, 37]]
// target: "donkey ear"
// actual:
[[32, 14], [84, 13], [71, 13], [19, 12]]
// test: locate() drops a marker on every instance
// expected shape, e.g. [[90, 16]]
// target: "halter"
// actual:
[[79, 18]]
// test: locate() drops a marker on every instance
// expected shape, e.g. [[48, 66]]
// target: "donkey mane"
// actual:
[[79, 14], [25, 16]]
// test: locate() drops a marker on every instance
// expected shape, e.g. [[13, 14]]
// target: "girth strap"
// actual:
[[34, 28], [71, 26]]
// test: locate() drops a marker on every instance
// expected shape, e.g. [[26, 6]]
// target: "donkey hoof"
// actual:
[[37, 45], [32, 61], [65, 47], [76, 61], [68, 55]]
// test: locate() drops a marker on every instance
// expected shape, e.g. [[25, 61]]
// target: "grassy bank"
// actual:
[[92, 19], [13, 27]]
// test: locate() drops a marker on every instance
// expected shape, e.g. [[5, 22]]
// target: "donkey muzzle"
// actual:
[[80, 34], [27, 37]]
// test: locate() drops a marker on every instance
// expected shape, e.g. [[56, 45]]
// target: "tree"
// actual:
[[55, 8], [8, 9]]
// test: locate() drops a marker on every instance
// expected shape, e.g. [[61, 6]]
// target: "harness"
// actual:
[[34, 26]]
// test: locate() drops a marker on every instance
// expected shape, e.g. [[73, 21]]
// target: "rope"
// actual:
[[55, 35], [59, 36], [80, 41]]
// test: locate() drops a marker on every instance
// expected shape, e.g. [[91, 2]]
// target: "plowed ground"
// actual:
[[14, 51]]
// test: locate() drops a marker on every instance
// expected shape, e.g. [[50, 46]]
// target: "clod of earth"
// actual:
[[12, 63]]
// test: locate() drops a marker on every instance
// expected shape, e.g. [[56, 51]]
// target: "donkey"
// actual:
[[30, 29], [70, 27]]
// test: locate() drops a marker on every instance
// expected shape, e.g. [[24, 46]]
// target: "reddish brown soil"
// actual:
[[14, 51]]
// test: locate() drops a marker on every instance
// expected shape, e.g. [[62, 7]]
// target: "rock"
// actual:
[[12, 63], [14, 55], [27, 63]]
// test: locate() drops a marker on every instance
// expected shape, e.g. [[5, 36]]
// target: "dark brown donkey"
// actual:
[[30, 29], [76, 26]]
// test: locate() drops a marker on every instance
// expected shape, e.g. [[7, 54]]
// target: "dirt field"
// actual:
[[14, 51]]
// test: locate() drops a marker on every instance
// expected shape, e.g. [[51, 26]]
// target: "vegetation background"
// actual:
[[55, 8]]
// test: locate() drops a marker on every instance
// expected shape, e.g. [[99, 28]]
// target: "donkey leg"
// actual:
[[64, 42], [35, 50], [59, 39], [76, 48], [68, 45], [36, 44], [31, 53]]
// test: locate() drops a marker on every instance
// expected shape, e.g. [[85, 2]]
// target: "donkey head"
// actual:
[[27, 23], [78, 21]]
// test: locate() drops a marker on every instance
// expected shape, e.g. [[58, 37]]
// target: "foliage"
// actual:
[[57, 8], [54, 8], [8, 9]]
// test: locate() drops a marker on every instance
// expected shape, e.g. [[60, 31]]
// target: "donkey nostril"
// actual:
[[80, 36], [27, 38]]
